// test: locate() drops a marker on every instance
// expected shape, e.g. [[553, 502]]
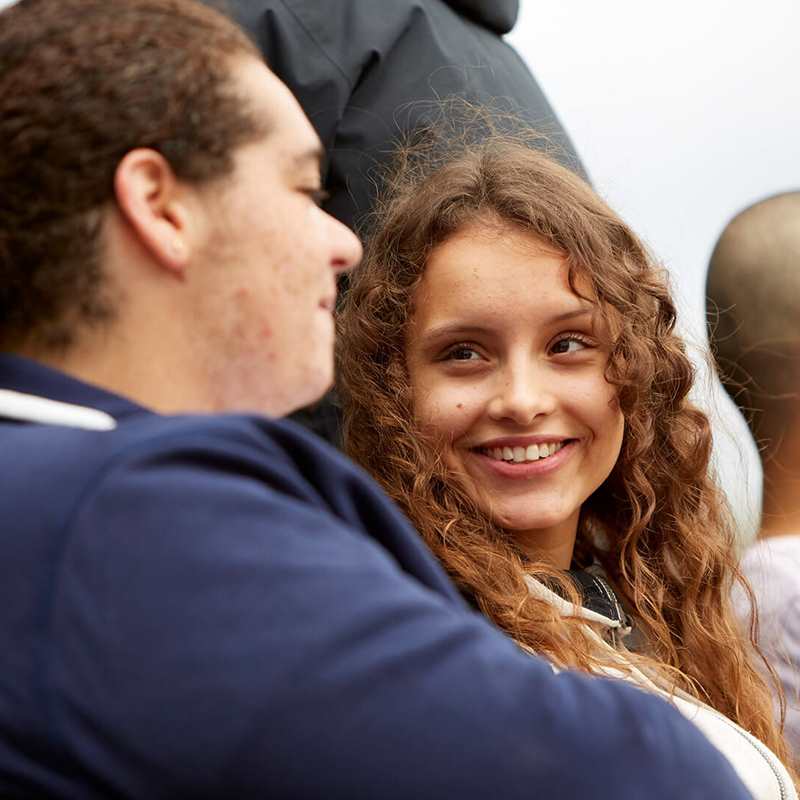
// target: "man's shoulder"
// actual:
[[248, 436], [196, 488], [160, 456]]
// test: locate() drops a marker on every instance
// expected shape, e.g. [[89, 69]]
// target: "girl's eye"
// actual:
[[462, 352], [569, 344]]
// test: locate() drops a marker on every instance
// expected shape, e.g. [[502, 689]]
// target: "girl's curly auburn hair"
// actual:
[[658, 525]]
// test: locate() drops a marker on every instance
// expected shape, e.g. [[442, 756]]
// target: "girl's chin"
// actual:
[[520, 523], [531, 525], [531, 533]]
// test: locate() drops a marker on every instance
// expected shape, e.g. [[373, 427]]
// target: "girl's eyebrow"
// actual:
[[453, 328], [458, 328], [574, 314]]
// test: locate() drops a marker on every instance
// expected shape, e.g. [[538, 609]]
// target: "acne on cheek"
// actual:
[[242, 298]]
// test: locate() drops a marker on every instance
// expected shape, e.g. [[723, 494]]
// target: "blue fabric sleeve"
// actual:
[[216, 633]]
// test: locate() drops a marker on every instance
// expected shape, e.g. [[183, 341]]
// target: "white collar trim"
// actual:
[[564, 607], [32, 408]]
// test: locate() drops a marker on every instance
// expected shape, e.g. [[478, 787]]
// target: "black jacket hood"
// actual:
[[499, 16]]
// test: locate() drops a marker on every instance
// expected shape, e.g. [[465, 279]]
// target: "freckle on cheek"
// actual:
[[460, 405]]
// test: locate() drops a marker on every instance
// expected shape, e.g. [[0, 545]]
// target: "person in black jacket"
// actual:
[[204, 604], [370, 73]]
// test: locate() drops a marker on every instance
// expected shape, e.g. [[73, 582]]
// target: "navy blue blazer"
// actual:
[[223, 606]]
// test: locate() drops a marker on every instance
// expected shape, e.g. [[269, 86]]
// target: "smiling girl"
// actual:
[[509, 373]]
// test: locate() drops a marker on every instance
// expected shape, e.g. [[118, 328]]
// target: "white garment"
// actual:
[[772, 566], [31, 408], [756, 765]]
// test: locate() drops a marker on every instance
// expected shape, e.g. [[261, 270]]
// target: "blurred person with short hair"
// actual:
[[753, 291]]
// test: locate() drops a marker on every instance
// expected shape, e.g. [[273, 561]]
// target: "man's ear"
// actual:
[[149, 198]]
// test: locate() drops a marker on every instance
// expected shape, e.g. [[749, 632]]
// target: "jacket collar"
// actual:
[[600, 603], [32, 392], [499, 16]]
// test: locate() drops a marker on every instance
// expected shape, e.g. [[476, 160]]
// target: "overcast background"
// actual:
[[684, 113]]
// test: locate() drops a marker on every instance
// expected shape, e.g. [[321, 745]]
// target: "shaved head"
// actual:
[[753, 302]]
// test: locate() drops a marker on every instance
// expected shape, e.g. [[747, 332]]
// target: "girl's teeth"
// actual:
[[521, 454]]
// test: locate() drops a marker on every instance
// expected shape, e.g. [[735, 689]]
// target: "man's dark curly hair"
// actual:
[[83, 82]]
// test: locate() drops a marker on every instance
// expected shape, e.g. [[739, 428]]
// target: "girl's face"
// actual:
[[507, 368]]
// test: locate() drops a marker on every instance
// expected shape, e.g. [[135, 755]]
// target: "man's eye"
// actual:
[[319, 196], [569, 344]]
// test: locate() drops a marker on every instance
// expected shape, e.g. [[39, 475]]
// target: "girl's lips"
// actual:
[[525, 469]]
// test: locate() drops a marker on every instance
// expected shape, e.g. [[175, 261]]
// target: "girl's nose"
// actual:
[[522, 395]]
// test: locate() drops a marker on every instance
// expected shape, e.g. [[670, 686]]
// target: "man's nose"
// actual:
[[346, 250], [524, 392]]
